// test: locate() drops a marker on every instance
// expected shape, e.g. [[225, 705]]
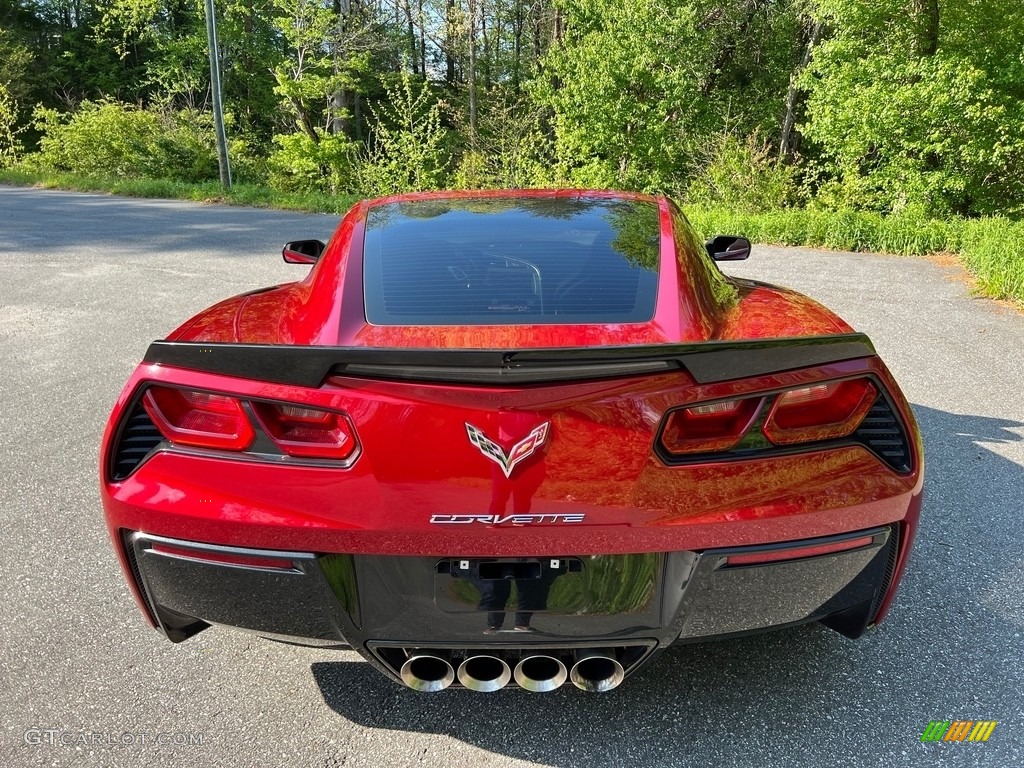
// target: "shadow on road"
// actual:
[[734, 699], [714, 681]]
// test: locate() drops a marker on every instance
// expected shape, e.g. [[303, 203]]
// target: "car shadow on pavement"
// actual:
[[804, 691]]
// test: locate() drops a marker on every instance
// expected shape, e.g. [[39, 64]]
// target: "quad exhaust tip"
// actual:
[[540, 674], [596, 671], [427, 673], [484, 674]]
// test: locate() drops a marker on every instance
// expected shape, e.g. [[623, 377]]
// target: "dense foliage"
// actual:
[[887, 106]]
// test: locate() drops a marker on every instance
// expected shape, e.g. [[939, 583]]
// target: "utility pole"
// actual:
[[218, 107]]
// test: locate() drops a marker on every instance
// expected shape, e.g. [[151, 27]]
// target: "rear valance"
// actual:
[[707, 362]]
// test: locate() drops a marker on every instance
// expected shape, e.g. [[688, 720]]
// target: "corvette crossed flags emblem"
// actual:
[[521, 450]]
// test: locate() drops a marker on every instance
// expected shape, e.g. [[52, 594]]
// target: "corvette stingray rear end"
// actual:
[[512, 438]]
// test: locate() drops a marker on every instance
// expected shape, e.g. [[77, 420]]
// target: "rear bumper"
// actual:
[[645, 601]]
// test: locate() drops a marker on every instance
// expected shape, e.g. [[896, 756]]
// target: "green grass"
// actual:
[[205, 192], [991, 248]]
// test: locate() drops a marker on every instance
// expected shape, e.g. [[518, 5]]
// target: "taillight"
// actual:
[[775, 554], [819, 412], [307, 432], [822, 411], [199, 419], [712, 427]]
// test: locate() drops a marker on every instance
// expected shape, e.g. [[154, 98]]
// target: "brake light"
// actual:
[[793, 553], [712, 427], [307, 432], [199, 419], [222, 557], [819, 412]]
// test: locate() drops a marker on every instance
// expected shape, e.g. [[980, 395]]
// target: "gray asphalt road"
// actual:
[[87, 281]]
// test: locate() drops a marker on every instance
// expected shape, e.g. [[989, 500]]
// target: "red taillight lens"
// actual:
[[199, 419], [712, 427], [216, 556], [819, 412], [793, 553], [307, 432]]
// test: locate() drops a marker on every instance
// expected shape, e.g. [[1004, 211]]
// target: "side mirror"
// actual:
[[728, 248], [303, 251]]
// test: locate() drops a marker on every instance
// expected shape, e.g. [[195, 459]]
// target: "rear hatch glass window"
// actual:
[[511, 261]]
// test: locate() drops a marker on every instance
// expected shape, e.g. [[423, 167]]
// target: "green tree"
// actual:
[[919, 103], [639, 89]]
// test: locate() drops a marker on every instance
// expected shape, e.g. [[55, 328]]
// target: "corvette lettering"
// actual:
[[521, 450], [512, 519]]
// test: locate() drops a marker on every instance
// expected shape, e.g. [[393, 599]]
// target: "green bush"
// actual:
[[300, 164], [508, 150], [741, 175], [409, 150], [116, 140], [10, 145]]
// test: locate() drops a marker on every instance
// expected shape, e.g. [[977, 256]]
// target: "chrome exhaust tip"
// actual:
[[427, 674], [540, 674], [596, 671], [484, 674]]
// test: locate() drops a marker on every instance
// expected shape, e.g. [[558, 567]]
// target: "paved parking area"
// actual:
[[86, 281]]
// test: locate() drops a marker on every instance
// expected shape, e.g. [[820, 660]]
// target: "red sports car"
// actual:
[[512, 436]]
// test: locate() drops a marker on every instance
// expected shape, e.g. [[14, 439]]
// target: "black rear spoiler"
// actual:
[[707, 362]]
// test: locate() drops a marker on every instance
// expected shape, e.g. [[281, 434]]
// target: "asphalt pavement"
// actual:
[[88, 280]]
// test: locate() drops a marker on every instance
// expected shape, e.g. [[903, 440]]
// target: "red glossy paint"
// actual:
[[417, 461], [598, 459], [327, 306]]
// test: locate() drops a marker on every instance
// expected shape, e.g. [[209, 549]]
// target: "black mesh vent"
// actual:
[[138, 437], [882, 433], [890, 568], [129, 551]]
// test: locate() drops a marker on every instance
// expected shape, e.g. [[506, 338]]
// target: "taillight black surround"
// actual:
[[138, 439], [881, 432]]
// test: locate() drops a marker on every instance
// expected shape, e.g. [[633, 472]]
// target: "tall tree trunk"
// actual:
[[449, 43], [517, 46], [789, 139], [337, 104], [414, 59], [423, 40], [537, 23], [472, 69], [487, 45]]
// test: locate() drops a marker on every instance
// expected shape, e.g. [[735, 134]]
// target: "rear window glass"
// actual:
[[511, 261]]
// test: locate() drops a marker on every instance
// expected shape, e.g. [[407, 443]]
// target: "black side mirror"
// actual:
[[728, 248], [303, 251]]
